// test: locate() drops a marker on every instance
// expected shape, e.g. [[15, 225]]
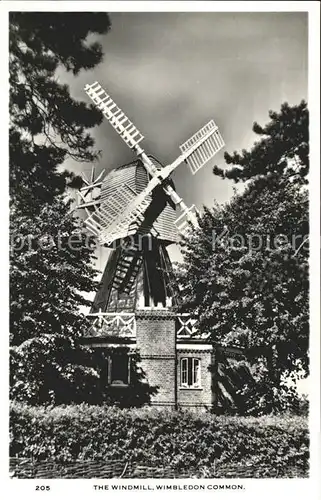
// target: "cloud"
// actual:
[[172, 72]]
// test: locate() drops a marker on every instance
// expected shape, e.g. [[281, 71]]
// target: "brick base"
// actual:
[[156, 343]]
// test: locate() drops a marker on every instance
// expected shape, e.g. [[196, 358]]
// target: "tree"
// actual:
[[51, 254], [283, 149], [54, 369], [245, 269], [51, 258], [51, 268], [46, 124]]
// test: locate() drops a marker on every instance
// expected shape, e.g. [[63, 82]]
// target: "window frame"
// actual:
[[110, 382], [196, 372]]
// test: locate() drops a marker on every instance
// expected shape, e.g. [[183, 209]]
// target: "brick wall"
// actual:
[[195, 397], [156, 342]]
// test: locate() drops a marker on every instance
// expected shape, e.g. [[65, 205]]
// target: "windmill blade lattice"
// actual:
[[182, 221], [111, 221], [116, 117], [202, 146], [135, 201], [110, 224], [119, 225]]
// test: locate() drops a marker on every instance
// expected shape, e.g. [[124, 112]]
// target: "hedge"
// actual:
[[181, 440]]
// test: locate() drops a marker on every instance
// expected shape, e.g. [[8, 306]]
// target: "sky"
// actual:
[[173, 72]]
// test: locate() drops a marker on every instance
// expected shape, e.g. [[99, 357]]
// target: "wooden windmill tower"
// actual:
[[136, 213]]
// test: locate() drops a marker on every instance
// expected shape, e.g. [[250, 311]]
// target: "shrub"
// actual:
[[159, 438], [53, 369], [249, 391]]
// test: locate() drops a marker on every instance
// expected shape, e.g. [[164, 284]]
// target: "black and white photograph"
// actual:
[[159, 246]]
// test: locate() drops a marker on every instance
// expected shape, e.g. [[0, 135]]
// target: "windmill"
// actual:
[[135, 212]]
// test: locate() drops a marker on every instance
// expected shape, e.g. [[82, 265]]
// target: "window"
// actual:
[[190, 372], [119, 370]]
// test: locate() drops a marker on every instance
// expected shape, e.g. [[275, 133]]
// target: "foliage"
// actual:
[[257, 396], [54, 369], [46, 123], [50, 269], [245, 272], [137, 393], [179, 439], [51, 260], [243, 387], [248, 284], [283, 148]]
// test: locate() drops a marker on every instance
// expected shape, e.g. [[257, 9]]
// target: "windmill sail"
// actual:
[[117, 215], [116, 117], [134, 210], [111, 219], [202, 146], [109, 212], [188, 216]]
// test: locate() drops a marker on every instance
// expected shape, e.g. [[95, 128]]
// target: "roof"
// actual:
[[160, 214]]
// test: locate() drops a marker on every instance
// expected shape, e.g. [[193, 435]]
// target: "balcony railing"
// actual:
[[187, 326], [123, 324], [118, 324]]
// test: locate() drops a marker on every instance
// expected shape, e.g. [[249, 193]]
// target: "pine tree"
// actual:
[[283, 149], [46, 124], [51, 258]]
